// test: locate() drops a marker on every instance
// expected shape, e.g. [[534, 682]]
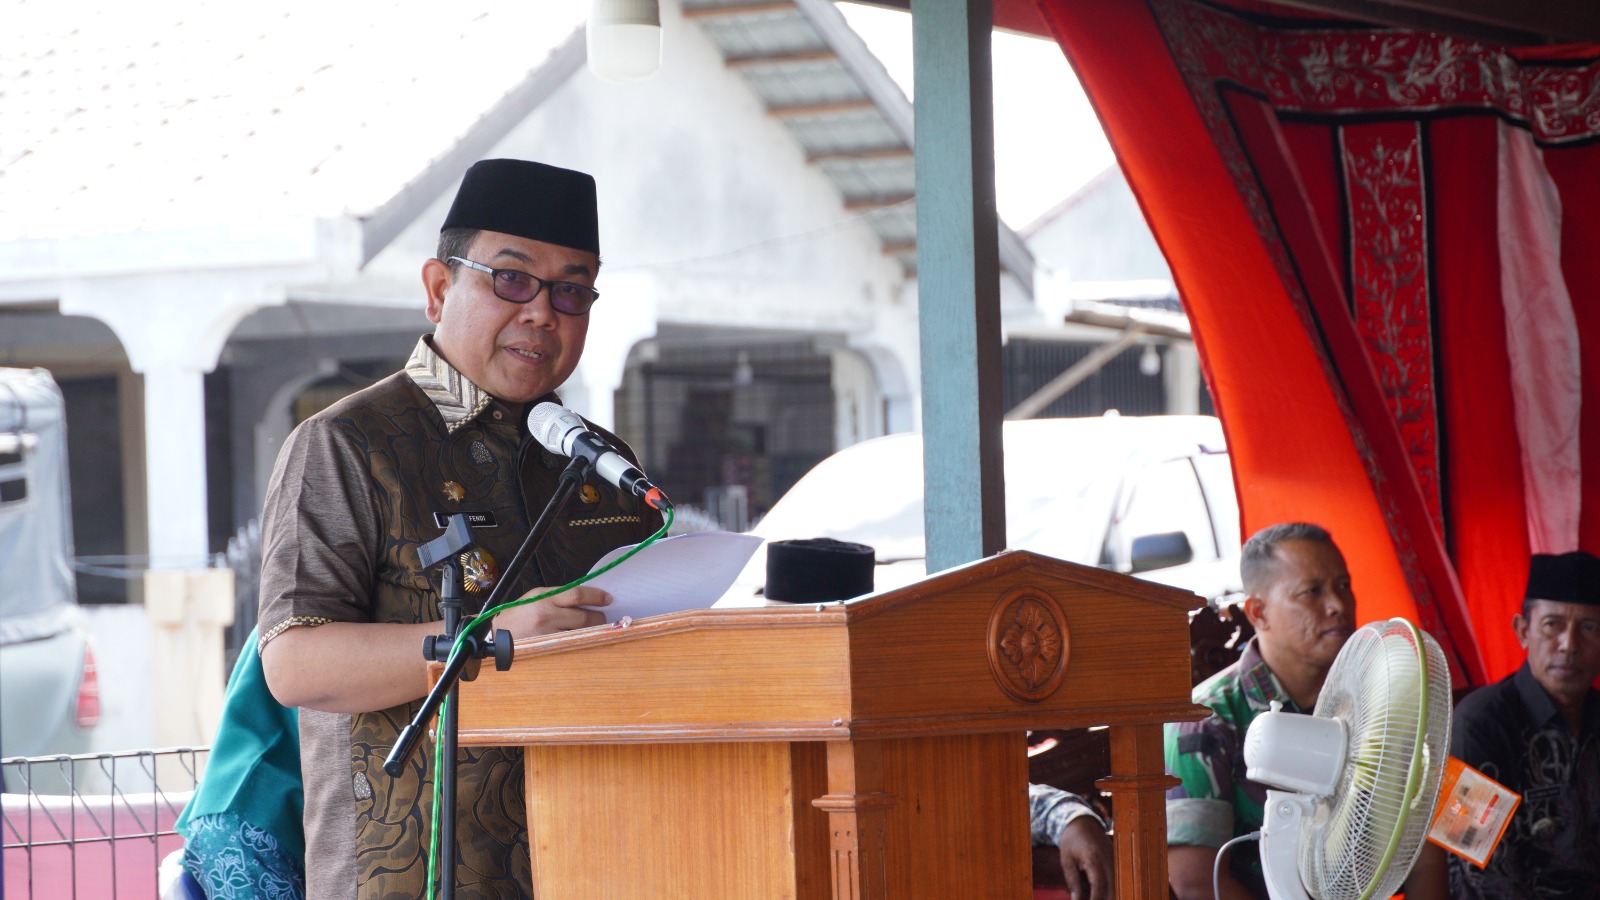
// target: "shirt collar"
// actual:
[[1260, 686], [1541, 709], [458, 400]]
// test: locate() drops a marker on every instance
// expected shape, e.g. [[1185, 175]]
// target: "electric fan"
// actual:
[[1361, 775]]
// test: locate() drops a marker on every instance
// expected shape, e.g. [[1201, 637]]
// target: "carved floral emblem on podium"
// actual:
[[1028, 644]]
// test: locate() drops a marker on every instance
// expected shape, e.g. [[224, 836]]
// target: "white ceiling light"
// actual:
[[624, 39]]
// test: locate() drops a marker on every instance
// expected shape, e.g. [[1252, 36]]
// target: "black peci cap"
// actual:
[[1566, 578], [530, 200], [818, 570]]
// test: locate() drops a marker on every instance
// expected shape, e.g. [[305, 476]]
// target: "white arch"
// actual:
[[173, 326], [895, 381]]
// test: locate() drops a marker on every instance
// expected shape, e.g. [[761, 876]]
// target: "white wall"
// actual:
[[709, 215], [1099, 234], [122, 641]]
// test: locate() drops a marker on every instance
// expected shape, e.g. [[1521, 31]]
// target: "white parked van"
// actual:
[[1151, 495], [49, 695]]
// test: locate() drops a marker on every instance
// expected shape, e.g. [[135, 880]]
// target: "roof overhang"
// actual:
[[1510, 22]]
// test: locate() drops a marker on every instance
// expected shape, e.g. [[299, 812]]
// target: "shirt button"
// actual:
[[498, 415]]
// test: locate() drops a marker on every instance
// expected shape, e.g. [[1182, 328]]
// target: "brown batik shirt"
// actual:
[[356, 490]]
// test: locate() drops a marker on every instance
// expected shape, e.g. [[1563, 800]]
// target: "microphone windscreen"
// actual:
[[550, 422]]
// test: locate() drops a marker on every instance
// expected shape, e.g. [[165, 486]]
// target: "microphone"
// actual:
[[561, 431]]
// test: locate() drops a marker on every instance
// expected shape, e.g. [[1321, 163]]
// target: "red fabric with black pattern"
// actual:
[[1328, 196]]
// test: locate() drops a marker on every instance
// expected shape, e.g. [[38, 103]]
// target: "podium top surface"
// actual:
[[1012, 642]]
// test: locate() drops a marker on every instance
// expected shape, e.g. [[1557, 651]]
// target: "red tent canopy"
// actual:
[[1387, 246]]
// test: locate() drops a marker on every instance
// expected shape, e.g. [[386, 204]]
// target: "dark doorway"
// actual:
[[1128, 383], [94, 465], [728, 428]]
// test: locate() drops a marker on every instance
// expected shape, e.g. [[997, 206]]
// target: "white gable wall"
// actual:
[[709, 216]]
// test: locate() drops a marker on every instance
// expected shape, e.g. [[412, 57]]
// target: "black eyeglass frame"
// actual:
[[541, 284]]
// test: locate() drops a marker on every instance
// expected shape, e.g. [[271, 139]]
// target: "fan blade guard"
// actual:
[[1390, 687]]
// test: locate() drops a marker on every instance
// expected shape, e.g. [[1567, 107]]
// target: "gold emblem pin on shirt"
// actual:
[[454, 491], [479, 571], [588, 494]]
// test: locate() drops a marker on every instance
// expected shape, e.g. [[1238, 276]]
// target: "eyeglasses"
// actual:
[[519, 287]]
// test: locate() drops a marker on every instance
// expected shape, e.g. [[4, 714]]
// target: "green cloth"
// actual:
[[254, 768], [233, 860]]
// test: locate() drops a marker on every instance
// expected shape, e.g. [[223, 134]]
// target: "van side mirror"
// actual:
[[1158, 551]]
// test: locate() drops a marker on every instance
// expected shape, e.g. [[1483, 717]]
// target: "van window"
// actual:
[[1166, 497], [1216, 479], [13, 483]]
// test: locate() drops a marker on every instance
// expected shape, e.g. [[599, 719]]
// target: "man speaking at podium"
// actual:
[[345, 603]]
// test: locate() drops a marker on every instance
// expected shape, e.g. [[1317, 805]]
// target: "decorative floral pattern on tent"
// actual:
[[1387, 245]]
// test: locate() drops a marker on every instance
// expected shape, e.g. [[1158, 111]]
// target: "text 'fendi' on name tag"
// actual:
[[474, 519]]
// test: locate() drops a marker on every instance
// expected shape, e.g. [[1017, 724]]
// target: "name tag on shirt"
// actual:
[[1540, 794], [474, 519]]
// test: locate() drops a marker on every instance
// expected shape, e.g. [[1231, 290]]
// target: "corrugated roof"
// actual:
[[818, 77], [117, 118]]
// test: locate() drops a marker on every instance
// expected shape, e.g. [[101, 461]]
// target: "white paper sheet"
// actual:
[[685, 571]]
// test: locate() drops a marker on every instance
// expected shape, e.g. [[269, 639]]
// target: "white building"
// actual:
[[213, 221], [1114, 315]]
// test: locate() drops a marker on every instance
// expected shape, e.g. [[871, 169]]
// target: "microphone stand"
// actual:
[[447, 548]]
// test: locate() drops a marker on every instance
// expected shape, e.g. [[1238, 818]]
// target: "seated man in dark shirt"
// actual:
[[1538, 733]]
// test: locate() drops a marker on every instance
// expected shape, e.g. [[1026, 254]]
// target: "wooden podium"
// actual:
[[869, 749]]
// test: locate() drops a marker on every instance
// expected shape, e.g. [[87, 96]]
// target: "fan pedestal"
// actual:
[[1280, 839]]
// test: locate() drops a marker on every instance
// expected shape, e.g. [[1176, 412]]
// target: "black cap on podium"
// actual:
[[818, 570]]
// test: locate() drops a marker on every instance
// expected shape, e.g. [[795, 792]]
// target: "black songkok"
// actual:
[[818, 570], [1568, 578], [530, 200]]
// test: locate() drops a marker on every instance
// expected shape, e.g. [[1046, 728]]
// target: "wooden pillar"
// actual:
[[958, 281], [1138, 786], [857, 811]]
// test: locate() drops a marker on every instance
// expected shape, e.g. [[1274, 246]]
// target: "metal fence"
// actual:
[[95, 825], [244, 557]]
